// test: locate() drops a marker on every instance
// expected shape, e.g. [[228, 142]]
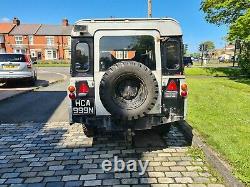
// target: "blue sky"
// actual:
[[195, 28]]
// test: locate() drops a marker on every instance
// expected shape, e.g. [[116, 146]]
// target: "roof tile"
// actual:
[[25, 29], [6, 27], [54, 30]]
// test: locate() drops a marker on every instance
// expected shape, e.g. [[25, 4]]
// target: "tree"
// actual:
[[196, 55], [207, 46], [224, 11], [235, 14]]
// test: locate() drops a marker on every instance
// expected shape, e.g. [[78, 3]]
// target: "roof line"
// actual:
[[37, 29], [126, 19], [12, 29]]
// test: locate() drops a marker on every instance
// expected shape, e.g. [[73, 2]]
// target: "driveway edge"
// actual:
[[212, 156]]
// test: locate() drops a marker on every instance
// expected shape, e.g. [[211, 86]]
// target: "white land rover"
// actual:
[[127, 74]]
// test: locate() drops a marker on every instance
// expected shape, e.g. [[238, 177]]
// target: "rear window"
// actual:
[[114, 49], [82, 57], [12, 58]]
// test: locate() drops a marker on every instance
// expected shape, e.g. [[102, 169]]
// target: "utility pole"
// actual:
[[149, 8]]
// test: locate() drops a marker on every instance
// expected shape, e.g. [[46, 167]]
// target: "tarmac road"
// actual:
[[42, 105]]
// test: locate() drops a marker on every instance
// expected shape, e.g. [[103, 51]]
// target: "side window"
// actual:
[[82, 57], [171, 55]]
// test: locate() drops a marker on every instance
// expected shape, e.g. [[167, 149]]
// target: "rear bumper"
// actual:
[[13, 77]]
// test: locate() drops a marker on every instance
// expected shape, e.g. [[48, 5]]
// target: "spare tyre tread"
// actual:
[[138, 69]]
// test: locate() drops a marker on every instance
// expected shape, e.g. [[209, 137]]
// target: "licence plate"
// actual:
[[170, 94], [8, 67], [83, 107]]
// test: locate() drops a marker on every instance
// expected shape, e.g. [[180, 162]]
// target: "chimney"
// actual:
[[65, 22], [16, 21]]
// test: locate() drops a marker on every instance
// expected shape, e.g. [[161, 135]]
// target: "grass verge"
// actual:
[[198, 155], [53, 63], [219, 110], [214, 71]]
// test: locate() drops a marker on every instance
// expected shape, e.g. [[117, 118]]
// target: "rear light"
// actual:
[[71, 89], [184, 94], [27, 60], [72, 96], [172, 86], [184, 87], [83, 89]]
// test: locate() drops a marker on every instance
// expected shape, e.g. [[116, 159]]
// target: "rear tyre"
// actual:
[[32, 81]]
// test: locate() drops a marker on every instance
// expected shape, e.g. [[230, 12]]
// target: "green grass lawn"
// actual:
[[219, 109], [213, 71], [53, 63]]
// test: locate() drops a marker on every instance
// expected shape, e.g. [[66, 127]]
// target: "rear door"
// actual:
[[98, 65]]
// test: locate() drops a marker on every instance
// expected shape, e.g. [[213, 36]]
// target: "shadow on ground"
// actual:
[[38, 106], [227, 71], [23, 84]]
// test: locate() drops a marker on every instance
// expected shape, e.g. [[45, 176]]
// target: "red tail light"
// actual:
[[184, 93], [72, 96], [172, 86], [28, 62], [184, 88], [83, 89]]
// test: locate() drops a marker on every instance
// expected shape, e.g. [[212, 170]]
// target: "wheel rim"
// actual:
[[129, 92]]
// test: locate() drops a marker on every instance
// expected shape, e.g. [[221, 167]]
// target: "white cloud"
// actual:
[[4, 19]]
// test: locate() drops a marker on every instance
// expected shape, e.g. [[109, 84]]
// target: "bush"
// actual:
[[244, 61]]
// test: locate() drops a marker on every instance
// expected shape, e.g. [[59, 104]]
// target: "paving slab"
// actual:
[[67, 160]]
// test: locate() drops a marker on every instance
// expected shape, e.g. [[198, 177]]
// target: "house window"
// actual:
[[68, 54], [32, 53], [20, 51], [119, 55], [19, 39], [125, 55], [69, 40], [2, 50], [50, 40], [1, 39], [31, 41], [50, 54]]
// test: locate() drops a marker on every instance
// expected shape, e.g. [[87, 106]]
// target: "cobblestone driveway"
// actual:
[[56, 154]]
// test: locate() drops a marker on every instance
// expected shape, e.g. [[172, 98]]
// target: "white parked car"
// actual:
[[17, 67]]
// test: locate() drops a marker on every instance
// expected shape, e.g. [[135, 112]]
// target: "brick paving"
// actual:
[[57, 154]]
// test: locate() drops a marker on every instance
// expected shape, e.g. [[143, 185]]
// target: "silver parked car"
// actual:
[[17, 67]]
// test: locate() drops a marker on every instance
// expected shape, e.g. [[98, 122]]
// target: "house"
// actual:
[[22, 38], [56, 40], [227, 52], [41, 41], [5, 29]]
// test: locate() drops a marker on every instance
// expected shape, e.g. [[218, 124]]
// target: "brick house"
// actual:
[[56, 40], [5, 29], [41, 41]]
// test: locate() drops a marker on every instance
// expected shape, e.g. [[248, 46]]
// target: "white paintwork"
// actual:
[[100, 109], [165, 26]]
